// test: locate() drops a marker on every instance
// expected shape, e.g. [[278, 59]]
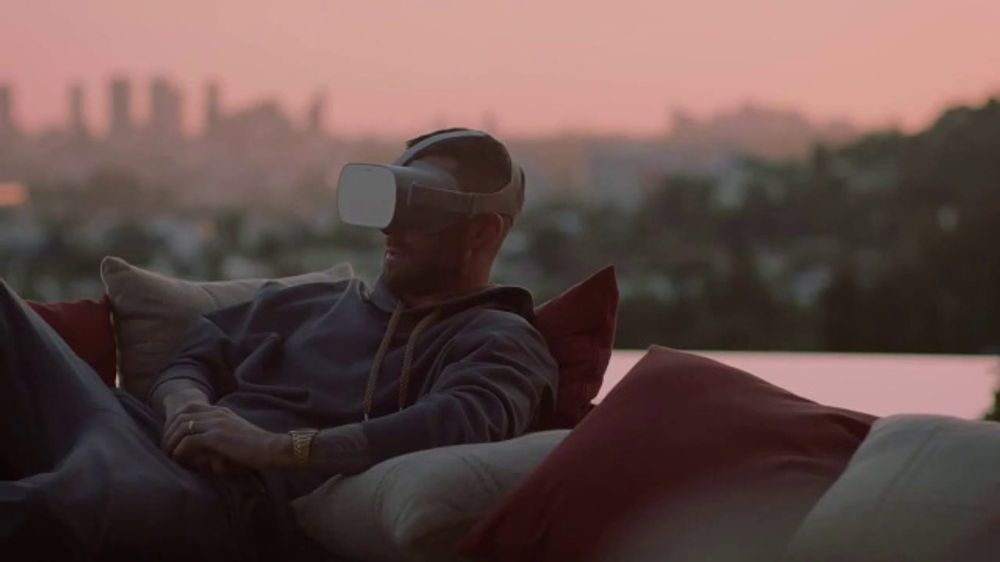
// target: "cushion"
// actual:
[[920, 488], [152, 311], [685, 459], [86, 326], [417, 506], [579, 328]]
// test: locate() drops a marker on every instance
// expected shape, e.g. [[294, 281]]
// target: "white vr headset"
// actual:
[[416, 195]]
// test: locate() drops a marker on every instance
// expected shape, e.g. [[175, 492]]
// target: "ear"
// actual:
[[487, 230]]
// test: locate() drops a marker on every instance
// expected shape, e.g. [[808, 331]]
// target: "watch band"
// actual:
[[302, 444]]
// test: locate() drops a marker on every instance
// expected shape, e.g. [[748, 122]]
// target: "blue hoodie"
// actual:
[[467, 370]]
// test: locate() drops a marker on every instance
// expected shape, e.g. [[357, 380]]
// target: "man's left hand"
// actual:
[[200, 428]]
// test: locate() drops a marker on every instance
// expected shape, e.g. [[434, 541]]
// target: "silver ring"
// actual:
[[190, 426]]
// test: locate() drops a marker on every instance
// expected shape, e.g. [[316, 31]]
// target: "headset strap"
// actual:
[[500, 201]]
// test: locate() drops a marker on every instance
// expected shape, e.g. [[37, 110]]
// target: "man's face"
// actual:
[[418, 264]]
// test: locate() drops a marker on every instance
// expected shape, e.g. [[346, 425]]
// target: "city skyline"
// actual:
[[167, 111], [263, 147], [163, 115], [393, 67]]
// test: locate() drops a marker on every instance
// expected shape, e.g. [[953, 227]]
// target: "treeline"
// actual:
[[890, 244]]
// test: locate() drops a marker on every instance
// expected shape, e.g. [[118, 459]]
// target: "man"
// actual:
[[267, 399]]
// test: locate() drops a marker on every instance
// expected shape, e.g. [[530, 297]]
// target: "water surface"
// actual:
[[880, 384]]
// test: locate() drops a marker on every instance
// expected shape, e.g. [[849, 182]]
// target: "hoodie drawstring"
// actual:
[[383, 348], [404, 379]]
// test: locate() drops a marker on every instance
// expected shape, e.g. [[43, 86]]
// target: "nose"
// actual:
[[393, 237], [392, 230]]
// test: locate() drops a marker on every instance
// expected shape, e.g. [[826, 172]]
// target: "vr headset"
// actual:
[[419, 196]]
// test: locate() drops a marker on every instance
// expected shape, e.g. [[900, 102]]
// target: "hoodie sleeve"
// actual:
[[215, 344], [493, 386]]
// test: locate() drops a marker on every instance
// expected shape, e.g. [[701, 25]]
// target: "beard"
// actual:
[[413, 276]]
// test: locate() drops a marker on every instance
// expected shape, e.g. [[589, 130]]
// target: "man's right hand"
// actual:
[[176, 402]]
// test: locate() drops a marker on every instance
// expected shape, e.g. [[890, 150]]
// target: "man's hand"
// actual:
[[178, 394], [200, 429]]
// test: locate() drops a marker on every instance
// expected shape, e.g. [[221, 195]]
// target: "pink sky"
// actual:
[[398, 66]]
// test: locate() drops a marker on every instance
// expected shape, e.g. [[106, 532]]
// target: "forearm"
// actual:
[[341, 450], [337, 450], [206, 359], [172, 394]]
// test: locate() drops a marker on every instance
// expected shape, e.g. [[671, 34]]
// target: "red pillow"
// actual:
[[579, 327], [86, 326], [706, 457]]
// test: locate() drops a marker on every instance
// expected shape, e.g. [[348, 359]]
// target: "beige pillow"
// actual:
[[921, 488], [151, 311], [417, 506]]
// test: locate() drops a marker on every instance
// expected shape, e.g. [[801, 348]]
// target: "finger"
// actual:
[[203, 412], [168, 424], [175, 431], [189, 408], [181, 425], [172, 425], [168, 438], [191, 426], [179, 419]]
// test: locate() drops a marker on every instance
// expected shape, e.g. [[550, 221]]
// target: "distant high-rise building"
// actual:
[[7, 125], [213, 109], [314, 116], [164, 109], [121, 108], [77, 119]]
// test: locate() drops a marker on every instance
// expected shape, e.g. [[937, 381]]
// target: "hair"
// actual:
[[482, 163]]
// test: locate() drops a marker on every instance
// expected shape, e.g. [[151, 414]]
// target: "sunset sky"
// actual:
[[394, 67]]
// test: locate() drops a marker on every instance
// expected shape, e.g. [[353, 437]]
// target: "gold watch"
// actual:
[[302, 444]]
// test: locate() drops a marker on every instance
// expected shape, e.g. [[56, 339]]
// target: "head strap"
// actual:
[[415, 150], [507, 200]]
